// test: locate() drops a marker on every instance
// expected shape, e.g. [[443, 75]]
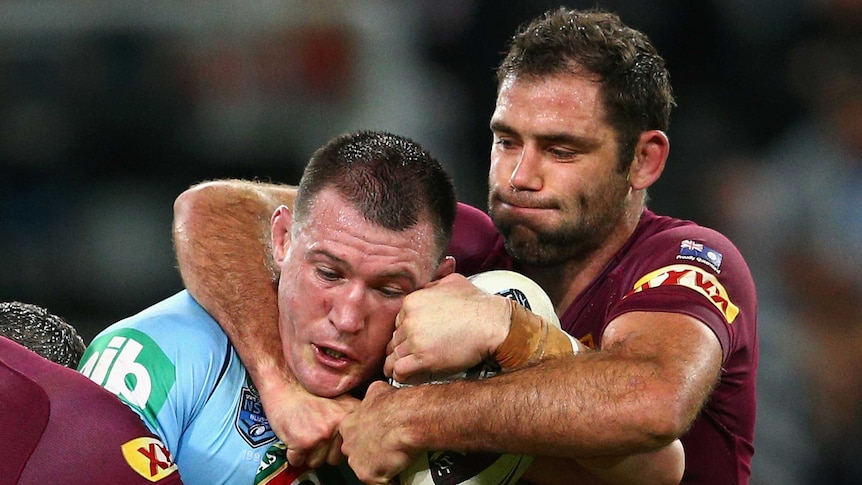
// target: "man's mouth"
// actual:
[[333, 353], [525, 203]]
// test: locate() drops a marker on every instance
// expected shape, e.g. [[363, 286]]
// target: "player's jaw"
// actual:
[[330, 368], [550, 231]]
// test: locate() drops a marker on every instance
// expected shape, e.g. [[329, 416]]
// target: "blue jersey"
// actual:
[[174, 366]]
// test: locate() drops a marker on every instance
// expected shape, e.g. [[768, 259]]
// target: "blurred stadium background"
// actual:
[[110, 108]]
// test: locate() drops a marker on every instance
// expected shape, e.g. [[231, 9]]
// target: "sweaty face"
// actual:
[[556, 192], [342, 283]]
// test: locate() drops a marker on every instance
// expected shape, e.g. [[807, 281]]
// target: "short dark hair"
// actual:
[[635, 84], [390, 179], [42, 332]]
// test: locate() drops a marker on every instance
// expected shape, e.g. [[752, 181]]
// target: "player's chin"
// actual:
[[330, 383]]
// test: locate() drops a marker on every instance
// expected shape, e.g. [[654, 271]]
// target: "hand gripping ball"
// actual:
[[453, 468]]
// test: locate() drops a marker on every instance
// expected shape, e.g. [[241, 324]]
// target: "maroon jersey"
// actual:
[[668, 265], [58, 427]]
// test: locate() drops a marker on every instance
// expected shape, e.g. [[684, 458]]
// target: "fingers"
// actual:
[[327, 452], [389, 364], [335, 456], [396, 365], [295, 457], [393, 353], [409, 370], [314, 439], [318, 455]]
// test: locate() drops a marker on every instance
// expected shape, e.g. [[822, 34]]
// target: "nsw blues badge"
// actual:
[[695, 251], [250, 420]]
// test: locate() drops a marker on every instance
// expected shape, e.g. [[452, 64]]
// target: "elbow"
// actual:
[[667, 419], [676, 405], [184, 206], [189, 201], [667, 465], [194, 203]]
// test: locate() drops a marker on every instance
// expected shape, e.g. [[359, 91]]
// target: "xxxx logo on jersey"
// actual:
[[695, 278], [149, 458], [128, 362]]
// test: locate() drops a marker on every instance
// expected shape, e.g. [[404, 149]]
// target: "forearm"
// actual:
[[531, 339], [579, 406], [221, 238]]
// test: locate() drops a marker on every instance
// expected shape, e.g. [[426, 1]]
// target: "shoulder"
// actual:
[[50, 403], [170, 356], [176, 326], [679, 266], [661, 241], [664, 242], [132, 453]]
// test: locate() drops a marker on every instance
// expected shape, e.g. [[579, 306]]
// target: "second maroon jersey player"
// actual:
[[668, 265]]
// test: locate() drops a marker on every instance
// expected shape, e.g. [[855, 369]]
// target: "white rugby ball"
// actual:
[[519, 288], [453, 468]]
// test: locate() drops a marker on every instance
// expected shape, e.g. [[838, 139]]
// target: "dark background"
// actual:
[[109, 109]]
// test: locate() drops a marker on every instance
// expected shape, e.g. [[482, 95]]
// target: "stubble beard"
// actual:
[[585, 224]]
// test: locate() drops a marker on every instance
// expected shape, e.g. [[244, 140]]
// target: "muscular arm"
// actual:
[[221, 237], [637, 394]]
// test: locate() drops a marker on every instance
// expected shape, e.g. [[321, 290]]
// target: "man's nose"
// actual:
[[349, 309], [526, 175]]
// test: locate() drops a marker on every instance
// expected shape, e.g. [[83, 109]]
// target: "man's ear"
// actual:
[[280, 222], [650, 156], [447, 267]]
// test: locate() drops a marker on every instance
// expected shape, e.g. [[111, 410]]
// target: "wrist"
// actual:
[[530, 340], [269, 376], [503, 328]]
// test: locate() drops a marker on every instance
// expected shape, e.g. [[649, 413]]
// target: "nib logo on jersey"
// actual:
[[124, 362]]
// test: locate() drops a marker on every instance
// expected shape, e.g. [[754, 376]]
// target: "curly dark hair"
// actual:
[[42, 332], [635, 84]]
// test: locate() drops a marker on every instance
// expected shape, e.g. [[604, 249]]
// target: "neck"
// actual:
[[565, 282]]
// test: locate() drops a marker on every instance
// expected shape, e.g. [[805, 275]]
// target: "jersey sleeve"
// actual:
[[163, 363], [476, 244], [698, 272], [136, 454]]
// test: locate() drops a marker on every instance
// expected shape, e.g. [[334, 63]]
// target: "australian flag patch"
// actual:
[[695, 251], [250, 420]]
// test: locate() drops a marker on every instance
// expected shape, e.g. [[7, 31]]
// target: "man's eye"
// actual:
[[390, 292], [327, 274], [504, 142], [562, 153]]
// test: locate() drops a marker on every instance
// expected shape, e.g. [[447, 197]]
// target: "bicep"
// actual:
[[687, 353], [221, 244]]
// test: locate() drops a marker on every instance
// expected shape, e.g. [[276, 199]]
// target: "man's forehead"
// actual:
[[554, 108], [334, 223]]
